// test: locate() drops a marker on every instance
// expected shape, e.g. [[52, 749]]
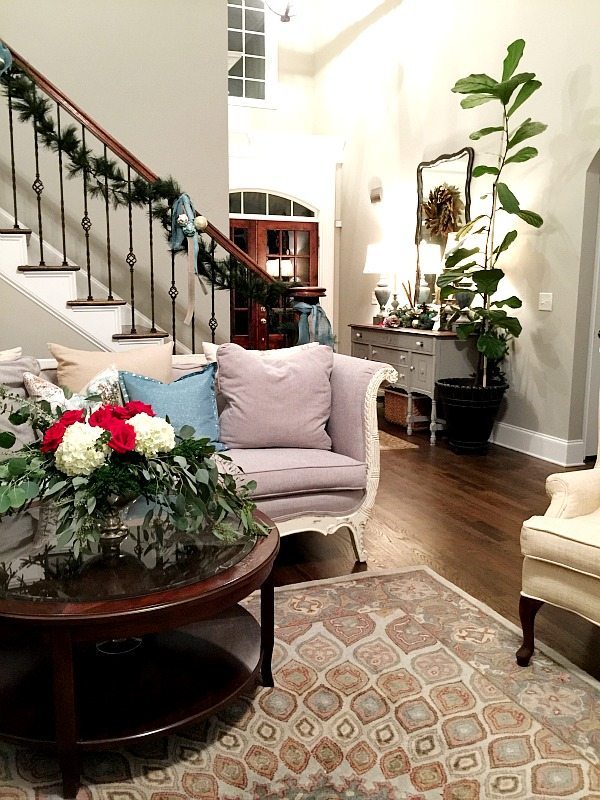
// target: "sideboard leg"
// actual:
[[433, 421], [267, 629], [409, 414], [65, 716]]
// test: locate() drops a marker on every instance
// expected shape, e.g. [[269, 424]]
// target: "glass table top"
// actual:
[[149, 560]]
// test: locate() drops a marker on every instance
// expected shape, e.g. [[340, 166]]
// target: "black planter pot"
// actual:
[[470, 412]]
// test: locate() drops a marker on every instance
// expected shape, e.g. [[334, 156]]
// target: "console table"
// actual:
[[421, 357]]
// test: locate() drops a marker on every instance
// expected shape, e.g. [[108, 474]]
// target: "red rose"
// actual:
[[104, 417], [122, 439], [69, 417], [53, 437], [134, 407]]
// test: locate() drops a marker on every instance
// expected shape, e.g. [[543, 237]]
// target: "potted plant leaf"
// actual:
[[472, 264]]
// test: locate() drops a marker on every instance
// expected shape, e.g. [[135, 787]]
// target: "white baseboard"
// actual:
[[567, 453]]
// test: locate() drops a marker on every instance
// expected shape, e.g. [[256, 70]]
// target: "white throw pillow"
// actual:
[[102, 389], [12, 354]]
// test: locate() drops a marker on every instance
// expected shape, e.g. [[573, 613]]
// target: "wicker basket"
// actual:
[[395, 407]]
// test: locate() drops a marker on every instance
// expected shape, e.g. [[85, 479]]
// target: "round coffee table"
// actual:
[[104, 651]]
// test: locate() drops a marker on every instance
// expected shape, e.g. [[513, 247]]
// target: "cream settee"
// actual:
[[305, 489]]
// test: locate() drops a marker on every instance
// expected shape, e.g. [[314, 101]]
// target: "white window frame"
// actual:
[[271, 68]]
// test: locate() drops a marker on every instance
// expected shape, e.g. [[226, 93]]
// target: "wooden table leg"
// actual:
[[267, 629], [65, 712], [433, 421]]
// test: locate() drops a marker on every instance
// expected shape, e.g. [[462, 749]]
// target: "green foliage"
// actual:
[[105, 178], [187, 490], [480, 276]]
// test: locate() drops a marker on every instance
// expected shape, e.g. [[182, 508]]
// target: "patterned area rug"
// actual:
[[389, 442], [388, 686]]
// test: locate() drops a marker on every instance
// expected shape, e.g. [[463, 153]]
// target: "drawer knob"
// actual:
[[412, 369], [402, 358], [418, 344], [373, 353], [358, 335], [401, 375]]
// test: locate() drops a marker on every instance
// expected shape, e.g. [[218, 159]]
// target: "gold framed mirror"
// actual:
[[443, 206]]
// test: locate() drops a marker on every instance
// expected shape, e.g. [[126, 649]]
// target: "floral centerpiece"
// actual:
[[88, 463]]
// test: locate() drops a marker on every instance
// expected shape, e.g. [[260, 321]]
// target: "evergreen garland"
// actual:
[[105, 177]]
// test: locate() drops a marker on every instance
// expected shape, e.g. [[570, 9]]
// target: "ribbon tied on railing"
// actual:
[[313, 324], [185, 228]]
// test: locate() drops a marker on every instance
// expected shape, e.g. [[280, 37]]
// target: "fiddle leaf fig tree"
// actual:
[[473, 268]]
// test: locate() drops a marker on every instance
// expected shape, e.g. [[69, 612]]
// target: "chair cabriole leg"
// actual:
[[528, 608]]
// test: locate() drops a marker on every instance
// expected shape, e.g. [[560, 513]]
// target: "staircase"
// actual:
[[84, 237]]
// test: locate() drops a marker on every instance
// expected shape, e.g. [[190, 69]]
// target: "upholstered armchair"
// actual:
[[561, 552]]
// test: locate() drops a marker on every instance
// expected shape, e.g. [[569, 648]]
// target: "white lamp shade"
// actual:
[[273, 267], [286, 267]]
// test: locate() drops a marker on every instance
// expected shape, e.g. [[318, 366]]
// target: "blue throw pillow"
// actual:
[[187, 401]]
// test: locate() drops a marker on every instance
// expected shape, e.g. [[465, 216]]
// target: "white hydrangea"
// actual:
[[78, 453], [152, 434]]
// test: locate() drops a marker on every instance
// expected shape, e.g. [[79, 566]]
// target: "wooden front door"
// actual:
[[286, 250]]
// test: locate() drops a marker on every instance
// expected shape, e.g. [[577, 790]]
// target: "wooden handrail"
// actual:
[[84, 119], [127, 156]]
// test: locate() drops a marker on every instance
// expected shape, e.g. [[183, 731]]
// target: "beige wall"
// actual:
[[384, 83], [30, 326], [152, 73]]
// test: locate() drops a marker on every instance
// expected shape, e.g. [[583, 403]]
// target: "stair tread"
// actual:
[[140, 333], [47, 268], [82, 302], [26, 231]]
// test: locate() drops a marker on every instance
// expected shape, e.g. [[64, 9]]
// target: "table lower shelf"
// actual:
[[172, 679]]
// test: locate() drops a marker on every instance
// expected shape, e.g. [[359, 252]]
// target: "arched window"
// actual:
[[266, 204]]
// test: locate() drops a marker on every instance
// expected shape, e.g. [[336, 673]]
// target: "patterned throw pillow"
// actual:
[[103, 389], [189, 400]]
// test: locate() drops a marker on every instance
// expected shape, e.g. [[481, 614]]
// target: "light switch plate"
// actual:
[[545, 301]]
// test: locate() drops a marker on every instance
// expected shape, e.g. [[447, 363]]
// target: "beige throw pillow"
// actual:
[[75, 368]]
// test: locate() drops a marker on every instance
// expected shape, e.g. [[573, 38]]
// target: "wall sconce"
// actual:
[[375, 265]]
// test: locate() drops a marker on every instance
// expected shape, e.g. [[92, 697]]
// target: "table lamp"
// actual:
[[375, 264]]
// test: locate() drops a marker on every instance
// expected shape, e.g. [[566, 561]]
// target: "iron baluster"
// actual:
[[194, 332], [107, 216], [151, 244], [11, 134], [173, 292], [65, 263], [212, 322], [38, 188], [131, 259], [86, 222]]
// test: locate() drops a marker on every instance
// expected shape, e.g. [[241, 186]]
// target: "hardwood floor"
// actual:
[[459, 515]]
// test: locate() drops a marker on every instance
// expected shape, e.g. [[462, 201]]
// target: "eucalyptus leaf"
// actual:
[[17, 467], [19, 417], [7, 439], [514, 52], [186, 432], [17, 496]]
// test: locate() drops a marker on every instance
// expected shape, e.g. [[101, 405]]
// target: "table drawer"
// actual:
[[400, 340], [397, 358], [360, 350]]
